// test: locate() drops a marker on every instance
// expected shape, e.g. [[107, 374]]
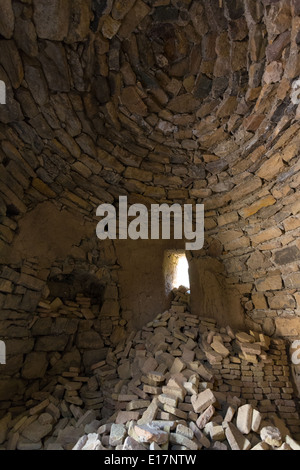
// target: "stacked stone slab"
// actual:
[[44, 334], [95, 109], [163, 388]]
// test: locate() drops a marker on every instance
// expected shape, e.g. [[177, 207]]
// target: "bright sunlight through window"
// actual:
[[176, 270], [182, 273]]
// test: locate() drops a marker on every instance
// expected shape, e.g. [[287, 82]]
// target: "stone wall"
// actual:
[[207, 114], [45, 334], [161, 101]]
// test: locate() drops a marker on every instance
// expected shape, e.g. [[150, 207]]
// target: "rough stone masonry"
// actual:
[[180, 383], [160, 101]]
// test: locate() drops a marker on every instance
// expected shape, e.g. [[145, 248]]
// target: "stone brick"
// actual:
[[271, 435], [251, 348], [220, 348], [183, 104], [244, 419], [35, 365], [184, 431], [239, 54], [217, 166], [36, 83], [229, 414], [6, 286], [43, 188], [269, 283], [180, 89], [291, 223], [137, 405], [286, 326], [117, 434], [79, 29], [36, 431], [121, 8], [132, 444], [136, 14], [274, 50], [244, 337], [273, 72], [256, 421], [11, 61], [136, 173], [7, 20], [205, 417], [51, 343], [4, 423], [248, 186], [131, 99], [292, 281], [227, 218], [292, 443], [202, 401], [257, 206], [30, 300], [259, 301], [261, 446], [89, 340], [52, 18], [242, 242], [184, 441], [236, 439], [287, 255], [165, 399], [266, 235], [125, 416], [295, 207], [282, 301], [216, 432], [177, 366], [148, 433]]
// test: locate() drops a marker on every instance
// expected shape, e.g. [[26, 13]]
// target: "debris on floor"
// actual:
[[180, 383]]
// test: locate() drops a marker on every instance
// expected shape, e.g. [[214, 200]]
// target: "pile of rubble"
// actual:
[[177, 384]]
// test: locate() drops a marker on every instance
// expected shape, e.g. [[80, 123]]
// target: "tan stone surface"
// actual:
[[286, 326]]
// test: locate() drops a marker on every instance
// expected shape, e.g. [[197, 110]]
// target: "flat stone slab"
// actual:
[[36, 431], [244, 419], [236, 439], [150, 434], [203, 400]]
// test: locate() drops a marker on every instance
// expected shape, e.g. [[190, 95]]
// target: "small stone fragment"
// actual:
[[183, 441], [150, 434], [203, 400], [236, 439], [132, 444], [256, 420], [36, 431], [292, 443], [261, 446], [205, 417], [117, 434], [271, 435]]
